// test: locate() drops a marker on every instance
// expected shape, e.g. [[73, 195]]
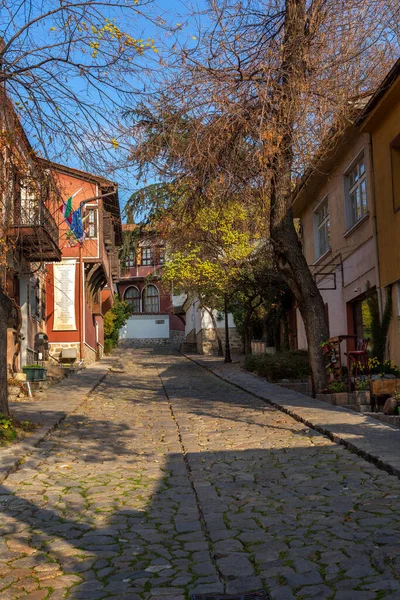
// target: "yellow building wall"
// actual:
[[384, 126]]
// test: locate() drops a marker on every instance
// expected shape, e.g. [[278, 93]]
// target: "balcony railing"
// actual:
[[32, 224]]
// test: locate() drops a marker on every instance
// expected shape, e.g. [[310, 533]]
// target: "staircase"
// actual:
[[188, 348]]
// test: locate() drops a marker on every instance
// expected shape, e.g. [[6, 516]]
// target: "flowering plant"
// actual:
[[388, 367]]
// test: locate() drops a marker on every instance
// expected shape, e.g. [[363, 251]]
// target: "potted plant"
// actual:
[[34, 372]]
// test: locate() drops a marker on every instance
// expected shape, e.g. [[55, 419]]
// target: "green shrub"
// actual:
[[7, 429], [336, 387], [284, 365], [108, 346]]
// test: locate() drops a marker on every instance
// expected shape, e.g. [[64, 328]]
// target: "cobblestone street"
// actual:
[[168, 481]]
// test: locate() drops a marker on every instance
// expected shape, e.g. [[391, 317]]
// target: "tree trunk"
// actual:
[[228, 358], [295, 271], [216, 330], [5, 309], [246, 333], [290, 259]]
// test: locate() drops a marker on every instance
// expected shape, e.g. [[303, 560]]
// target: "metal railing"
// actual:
[[34, 213]]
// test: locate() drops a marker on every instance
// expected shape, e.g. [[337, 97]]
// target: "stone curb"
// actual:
[[84, 383], [383, 451]]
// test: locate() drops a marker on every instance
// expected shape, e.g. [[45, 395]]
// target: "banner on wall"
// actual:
[[64, 296]]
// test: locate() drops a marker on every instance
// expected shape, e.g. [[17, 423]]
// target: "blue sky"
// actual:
[[173, 11]]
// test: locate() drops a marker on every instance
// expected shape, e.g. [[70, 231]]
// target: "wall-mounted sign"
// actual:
[[64, 296]]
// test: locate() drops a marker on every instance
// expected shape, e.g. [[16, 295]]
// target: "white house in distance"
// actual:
[[200, 332]]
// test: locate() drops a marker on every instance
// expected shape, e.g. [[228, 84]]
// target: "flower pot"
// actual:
[[34, 373]]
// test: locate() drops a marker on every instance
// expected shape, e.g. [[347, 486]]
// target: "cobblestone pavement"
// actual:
[[170, 481]]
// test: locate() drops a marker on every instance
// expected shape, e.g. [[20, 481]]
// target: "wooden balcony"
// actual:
[[114, 259], [34, 230], [108, 231]]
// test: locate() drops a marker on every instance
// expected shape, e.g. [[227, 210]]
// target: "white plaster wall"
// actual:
[[178, 300], [198, 319], [140, 327]]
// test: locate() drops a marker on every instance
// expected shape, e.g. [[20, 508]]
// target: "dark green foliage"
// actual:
[[294, 364], [379, 327]]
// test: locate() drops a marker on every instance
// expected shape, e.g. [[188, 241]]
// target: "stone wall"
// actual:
[[144, 342], [55, 349], [90, 355], [206, 341], [176, 337]]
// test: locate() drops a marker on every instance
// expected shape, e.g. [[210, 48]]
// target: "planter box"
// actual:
[[341, 399], [362, 397], [260, 347], [34, 373], [384, 387]]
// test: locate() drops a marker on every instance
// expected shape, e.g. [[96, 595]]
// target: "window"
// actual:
[[130, 260], [395, 158], [132, 297], [161, 256], [151, 301], [34, 298], [43, 303], [356, 193], [91, 223], [146, 257], [322, 229]]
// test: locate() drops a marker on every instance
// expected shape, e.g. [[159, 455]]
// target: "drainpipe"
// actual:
[[81, 324]]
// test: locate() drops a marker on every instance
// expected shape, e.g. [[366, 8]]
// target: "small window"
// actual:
[[43, 303], [147, 257], [322, 229], [356, 193], [151, 300], [395, 159], [161, 256], [132, 297], [130, 260], [91, 223], [34, 298]]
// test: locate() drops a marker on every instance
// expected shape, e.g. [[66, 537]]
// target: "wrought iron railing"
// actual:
[[34, 213]]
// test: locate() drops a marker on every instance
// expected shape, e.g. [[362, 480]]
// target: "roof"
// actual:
[[79, 173], [379, 93], [110, 202]]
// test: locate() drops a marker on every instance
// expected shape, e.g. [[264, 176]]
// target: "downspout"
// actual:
[[81, 290]]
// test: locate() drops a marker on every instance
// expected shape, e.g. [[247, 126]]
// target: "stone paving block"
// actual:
[[210, 488]]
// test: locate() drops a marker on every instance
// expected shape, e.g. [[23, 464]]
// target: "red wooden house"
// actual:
[[81, 287], [154, 319]]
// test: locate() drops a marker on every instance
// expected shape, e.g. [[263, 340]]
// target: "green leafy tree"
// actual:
[[379, 325], [114, 319], [206, 253]]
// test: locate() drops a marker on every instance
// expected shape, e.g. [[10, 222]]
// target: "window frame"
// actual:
[[154, 308], [91, 210], [318, 227], [395, 156], [350, 213], [138, 298], [148, 261]]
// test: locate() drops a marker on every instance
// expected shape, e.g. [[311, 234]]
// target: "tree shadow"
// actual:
[[98, 511]]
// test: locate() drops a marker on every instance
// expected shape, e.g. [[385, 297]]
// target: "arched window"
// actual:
[[151, 299], [132, 296]]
